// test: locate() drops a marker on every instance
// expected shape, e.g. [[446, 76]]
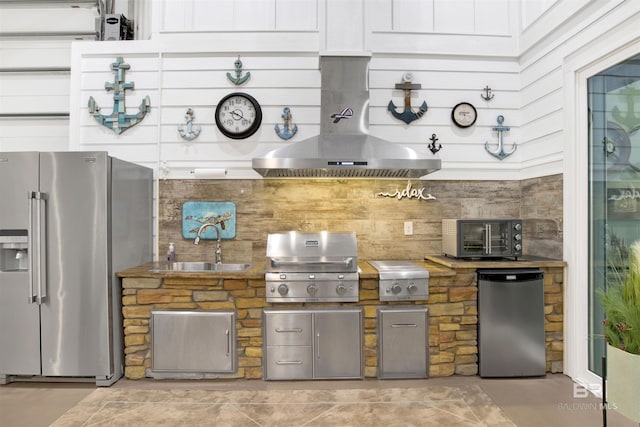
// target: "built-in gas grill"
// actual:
[[401, 281], [312, 267]]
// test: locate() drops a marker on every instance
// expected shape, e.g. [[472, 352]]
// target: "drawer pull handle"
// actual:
[[289, 362], [404, 325], [288, 330]]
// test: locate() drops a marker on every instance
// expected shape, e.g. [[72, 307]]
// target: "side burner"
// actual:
[[401, 281]]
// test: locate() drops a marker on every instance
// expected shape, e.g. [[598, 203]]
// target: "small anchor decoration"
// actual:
[[288, 129], [499, 153], [119, 120], [487, 96], [433, 146], [190, 131], [407, 115], [238, 80], [629, 119]]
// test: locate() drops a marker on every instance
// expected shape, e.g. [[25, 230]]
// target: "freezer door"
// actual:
[[75, 316], [19, 316]]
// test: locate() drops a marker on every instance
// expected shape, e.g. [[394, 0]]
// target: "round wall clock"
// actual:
[[464, 115], [238, 115]]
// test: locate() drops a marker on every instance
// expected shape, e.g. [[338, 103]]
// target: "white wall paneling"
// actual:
[[50, 19], [237, 15]]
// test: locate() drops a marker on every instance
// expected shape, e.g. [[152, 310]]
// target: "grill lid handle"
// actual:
[[279, 263]]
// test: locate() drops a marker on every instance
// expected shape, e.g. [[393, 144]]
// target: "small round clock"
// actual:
[[464, 115], [238, 115]]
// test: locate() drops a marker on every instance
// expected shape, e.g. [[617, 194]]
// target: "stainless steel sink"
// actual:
[[201, 266]]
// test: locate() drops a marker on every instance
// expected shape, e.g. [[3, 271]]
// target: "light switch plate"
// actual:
[[408, 228]]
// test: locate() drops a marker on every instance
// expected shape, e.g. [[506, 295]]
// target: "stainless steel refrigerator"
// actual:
[[68, 222]]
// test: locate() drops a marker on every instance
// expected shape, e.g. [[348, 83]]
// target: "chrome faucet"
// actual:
[[218, 257]]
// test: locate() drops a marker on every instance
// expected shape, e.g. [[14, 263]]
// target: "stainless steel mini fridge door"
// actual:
[[19, 312], [75, 320]]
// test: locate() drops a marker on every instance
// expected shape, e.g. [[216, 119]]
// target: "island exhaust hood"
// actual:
[[344, 148]]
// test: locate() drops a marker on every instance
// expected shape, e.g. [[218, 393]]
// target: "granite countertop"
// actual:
[[257, 270], [437, 265], [522, 262]]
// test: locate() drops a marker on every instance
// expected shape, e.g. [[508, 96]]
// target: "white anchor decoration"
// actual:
[[499, 153], [289, 131], [190, 131]]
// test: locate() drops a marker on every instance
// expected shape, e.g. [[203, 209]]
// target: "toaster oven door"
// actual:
[[486, 239]]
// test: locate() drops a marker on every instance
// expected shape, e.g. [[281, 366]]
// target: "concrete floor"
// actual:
[[530, 402]]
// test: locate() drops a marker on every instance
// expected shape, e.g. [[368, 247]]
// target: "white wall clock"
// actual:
[[238, 115], [464, 115]]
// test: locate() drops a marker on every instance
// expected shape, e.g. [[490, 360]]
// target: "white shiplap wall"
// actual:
[[185, 67], [27, 84], [453, 56]]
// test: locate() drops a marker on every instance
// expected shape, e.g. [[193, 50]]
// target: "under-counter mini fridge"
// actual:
[[68, 222], [511, 336]]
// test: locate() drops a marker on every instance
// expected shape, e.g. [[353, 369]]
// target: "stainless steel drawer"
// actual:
[[288, 328], [289, 362]]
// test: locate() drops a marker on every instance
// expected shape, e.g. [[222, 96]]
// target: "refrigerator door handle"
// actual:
[[30, 252], [38, 267]]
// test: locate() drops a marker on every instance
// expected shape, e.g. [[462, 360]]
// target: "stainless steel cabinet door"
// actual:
[[19, 315], [402, 343], [193, 341], [337, 346]]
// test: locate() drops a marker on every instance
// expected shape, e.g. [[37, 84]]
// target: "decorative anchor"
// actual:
[[433, 146], [237, 80], [407, 115], [289, 130], [190, 131], [119, 120], [499, 152], [489, 96], [630, 120]]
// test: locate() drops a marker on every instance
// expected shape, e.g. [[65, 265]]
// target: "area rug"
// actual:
[[424, 406]]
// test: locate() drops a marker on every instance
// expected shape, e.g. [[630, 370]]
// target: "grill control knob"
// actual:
[[518, 247], [412, 288], [517, 237], [283, 289], [396, 289], [312, 289], [341, 289], [517, 226]]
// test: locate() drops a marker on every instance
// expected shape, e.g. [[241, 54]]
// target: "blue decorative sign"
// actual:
[[194, 214]]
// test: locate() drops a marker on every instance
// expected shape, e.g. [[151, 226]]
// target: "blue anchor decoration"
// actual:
[[119, 120], [190, 131], [237, 80], [499, 153], [289, 130], [407, 115]]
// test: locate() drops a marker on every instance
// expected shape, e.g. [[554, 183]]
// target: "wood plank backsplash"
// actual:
[[278, 205]]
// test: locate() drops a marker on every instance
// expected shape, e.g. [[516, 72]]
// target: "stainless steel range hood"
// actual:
[[344, 147]]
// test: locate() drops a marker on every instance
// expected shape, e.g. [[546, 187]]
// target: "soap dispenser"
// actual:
[[171, 253]]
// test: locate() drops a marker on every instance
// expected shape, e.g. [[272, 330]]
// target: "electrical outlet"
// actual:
[[408, 228]]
